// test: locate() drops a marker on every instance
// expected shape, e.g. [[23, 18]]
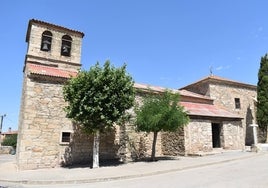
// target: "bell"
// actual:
[[45, 45], [65, 49]]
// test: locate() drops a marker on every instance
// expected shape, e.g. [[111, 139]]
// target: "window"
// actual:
[[46, 41], [65, 137], [237, 103], [66, 45]]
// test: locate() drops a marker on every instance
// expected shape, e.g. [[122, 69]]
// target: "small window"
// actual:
[[65, 137], [66, 45], [237, 103], [46, 41]]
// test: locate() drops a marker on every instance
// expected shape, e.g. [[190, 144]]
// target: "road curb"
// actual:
[[106, 179]]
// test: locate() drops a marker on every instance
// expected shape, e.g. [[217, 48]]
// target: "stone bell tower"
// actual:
[[53, 45], [53, 56]]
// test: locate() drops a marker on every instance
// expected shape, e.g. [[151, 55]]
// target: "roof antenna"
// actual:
[[211, 71]]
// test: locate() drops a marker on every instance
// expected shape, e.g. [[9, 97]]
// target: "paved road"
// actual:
[[7, 158], [245, 173]]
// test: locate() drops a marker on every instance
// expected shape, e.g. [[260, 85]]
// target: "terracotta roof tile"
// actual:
[[192, 94], [207, 110], [49, 71], [198, 109], [146, 87], [9, 132], [222, 80], [32, 21], [54, 25]]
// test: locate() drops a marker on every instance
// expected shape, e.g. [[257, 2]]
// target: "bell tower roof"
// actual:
[[53, 45], [52, 26]]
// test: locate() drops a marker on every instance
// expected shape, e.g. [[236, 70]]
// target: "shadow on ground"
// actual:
[[116, 162], [162, 158], [103, 163]]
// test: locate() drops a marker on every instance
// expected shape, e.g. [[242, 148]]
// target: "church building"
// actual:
[[220, 110]]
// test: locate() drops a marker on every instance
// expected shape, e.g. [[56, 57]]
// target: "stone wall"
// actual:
[[198, 136], [173, 143], [54, 56], [41, 127], [6, 149], [80, 149], [233, 135], [139, 144], [43, 121], [224, 95]]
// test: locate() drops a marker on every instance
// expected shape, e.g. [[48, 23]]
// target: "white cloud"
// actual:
[[219, 68]]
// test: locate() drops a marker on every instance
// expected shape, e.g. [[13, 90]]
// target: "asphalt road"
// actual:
[[245, 173]]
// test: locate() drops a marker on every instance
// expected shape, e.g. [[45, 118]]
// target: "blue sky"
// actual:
[[168, 43]]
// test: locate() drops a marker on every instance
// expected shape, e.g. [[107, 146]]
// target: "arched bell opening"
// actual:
[[66, 45], [46, 41]]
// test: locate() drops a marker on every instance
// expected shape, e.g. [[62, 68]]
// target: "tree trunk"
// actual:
[[153, 147], [266, 135], [96, 144]]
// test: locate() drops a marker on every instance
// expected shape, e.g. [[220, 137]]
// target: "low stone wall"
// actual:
[[173, 143], [233, 135], [5, 149], [198, 136], [138, 145]]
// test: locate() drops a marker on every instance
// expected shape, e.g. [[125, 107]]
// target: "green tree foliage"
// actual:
[[99, 97], [262, 94], [10, 140], [160, 112]]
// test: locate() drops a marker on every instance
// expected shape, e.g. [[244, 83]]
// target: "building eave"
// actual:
[[41, 70], [183, 93], [217, 79], [208, 110], [53, 26]]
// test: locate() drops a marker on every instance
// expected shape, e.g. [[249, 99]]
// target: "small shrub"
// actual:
[[10, 140]]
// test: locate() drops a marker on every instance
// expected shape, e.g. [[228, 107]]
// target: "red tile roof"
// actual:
[[34, 21], [197, 109], [9, 132], [146, 87], [207, 110], [192, 94], [49, 71], [213, 78]]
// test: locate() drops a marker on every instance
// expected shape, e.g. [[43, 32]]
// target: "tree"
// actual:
[[262, 95], [10, 140], [98, 98], [160, 112]]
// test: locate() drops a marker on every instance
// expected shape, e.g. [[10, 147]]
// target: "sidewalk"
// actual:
[[9, 174]]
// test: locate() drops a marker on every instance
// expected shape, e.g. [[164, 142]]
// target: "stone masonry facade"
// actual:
[[43, 122], [48, 139], [224, 92]]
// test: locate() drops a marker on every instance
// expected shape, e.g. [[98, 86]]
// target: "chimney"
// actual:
[[9, 129]]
